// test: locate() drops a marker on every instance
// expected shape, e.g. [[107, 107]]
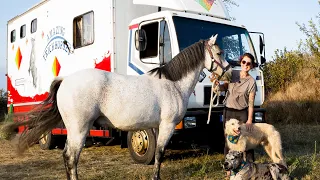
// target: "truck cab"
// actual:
[[154, 39]]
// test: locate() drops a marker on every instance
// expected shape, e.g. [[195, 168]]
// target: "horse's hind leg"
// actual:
[[75, 141], [165, 132]]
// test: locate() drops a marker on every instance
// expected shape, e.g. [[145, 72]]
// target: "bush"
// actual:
[[292, 81], [3, 105], [280, 72]]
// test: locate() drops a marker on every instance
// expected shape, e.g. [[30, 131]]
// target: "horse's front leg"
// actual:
[[165, 132]]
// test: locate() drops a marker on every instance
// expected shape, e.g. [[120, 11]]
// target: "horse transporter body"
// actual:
[[57, 38]]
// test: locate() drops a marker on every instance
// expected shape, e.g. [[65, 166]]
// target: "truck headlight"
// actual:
[[258, 117], [190, 122]]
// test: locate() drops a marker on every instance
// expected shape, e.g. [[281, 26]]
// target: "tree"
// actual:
[[3, 104], [312, 43]]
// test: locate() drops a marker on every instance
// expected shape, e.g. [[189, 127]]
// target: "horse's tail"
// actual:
[[41, 120]]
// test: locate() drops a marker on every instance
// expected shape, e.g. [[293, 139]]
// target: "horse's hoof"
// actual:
[[156, 178]]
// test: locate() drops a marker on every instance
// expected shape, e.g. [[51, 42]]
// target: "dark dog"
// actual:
[[242, 170]]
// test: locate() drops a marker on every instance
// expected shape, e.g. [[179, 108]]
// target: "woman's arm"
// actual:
[[250, 110], [251, 106]]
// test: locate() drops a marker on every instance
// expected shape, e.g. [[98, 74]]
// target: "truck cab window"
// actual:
[[22, 31], [152, 33], [234, 46], [13, 36], [231, 46], [165, 43], [83, 30]]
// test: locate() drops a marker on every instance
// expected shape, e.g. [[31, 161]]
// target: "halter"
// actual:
[[215, 61], [224, 70]]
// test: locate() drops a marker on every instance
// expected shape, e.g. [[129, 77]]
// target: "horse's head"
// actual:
[[214, 60]]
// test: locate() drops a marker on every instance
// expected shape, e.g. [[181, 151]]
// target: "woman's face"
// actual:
[[246, 64]]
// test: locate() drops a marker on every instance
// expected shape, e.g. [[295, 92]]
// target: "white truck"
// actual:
[[56, 38]]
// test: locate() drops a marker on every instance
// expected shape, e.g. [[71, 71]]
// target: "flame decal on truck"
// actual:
[[15, 98], [105, 64]]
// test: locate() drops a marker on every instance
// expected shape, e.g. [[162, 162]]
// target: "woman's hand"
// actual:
[[249, 126], [213, 78]]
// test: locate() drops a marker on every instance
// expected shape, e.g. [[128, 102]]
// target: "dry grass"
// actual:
[[107, 162], [112, 162], [299, 103]]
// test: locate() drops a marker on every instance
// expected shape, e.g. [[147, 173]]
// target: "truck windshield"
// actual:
[[233, 40]]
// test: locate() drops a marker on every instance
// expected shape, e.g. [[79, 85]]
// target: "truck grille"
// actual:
[[207, 95]]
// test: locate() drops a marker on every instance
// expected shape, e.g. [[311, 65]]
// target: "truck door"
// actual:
[[158, 49]]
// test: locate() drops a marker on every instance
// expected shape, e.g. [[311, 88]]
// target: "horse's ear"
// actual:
[[213, 40]]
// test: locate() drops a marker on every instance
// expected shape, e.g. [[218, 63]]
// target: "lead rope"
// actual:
[[217, 94], [214, 89]]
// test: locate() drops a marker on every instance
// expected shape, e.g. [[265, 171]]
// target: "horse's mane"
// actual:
[[184, 62]]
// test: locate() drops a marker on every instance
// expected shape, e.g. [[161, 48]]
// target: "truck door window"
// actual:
[[152, 32], [245, 43], [33, 26], [22, 31], [165, 43], [231, 48], [235, 45], [13, 36], [83, 30]]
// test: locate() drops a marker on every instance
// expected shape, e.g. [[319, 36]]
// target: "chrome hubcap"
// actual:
[[139, 141], [44, 139]]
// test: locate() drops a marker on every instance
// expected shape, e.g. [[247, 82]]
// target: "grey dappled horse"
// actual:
[[127, 103]]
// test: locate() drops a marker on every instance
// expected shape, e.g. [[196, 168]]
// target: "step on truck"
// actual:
[[56, 38]]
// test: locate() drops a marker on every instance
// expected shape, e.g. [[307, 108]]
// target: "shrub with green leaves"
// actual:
[[281, 72]]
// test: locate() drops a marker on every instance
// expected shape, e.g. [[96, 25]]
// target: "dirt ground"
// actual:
[[104, 162]]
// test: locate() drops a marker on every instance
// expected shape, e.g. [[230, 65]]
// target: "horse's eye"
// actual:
[[219, 53], [232, 124]]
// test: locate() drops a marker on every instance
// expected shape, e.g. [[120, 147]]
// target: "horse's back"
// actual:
[[123, 100]]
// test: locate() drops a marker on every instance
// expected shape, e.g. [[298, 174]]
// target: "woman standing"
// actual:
[[240, 96]]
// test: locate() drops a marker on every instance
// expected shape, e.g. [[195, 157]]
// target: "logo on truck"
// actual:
[[207, 4], [56, 41]]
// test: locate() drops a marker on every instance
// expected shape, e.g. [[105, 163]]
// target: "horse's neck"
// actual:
[[187, 84]]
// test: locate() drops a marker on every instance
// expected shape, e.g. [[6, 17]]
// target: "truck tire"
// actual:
[[142, 146], [47, 142]]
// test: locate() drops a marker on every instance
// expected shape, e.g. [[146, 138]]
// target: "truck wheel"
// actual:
[[47, 142], [142, 146]]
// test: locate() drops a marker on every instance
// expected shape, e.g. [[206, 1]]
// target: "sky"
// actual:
[[275, 18]]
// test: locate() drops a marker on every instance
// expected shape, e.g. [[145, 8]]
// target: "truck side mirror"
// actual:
[[261, 44], [140, 40], [262, 60]]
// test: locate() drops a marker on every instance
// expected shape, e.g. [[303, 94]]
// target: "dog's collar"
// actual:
[[235, 171], [233, 139]]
